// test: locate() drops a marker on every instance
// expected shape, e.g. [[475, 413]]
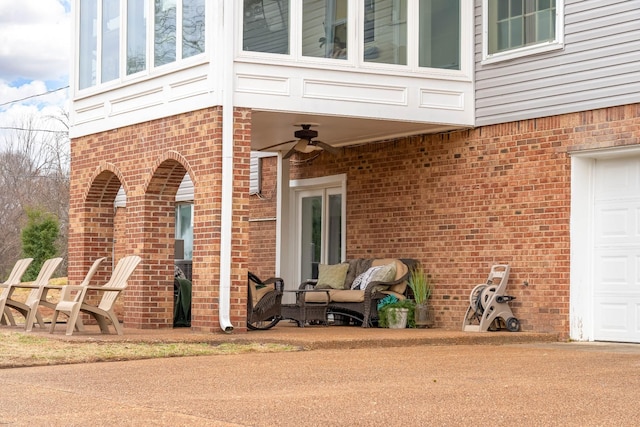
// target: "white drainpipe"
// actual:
[[225, 83]]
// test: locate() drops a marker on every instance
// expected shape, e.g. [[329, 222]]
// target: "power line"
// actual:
[[34, 96], [32, 130]]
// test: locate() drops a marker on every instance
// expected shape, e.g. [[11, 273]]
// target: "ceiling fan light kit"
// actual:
[[304, 143]]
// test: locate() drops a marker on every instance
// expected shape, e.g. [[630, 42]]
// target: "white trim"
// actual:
[[324, 184], [323, 181], [581, 249], [549, 46]]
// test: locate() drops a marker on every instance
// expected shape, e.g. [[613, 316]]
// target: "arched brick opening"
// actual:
[[151, 305], [95, 236]]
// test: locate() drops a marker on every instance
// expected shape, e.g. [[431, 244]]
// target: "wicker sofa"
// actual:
[[359, 304]]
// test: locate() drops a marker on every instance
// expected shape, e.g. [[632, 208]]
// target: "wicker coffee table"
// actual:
[[302, 312]]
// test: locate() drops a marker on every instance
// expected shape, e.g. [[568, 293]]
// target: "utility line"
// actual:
[[34, 96], [32, 130]]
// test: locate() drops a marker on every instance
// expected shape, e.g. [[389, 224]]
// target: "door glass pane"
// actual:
[[334, 255], [136, 36], [439, 26], [193, 23], [88, 43], [110, 40], [385, 31], [266, 26], [311, 235], [164, 32], [184, 228], [324, 28]]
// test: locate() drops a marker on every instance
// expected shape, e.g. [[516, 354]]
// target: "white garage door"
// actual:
[[617, 250]]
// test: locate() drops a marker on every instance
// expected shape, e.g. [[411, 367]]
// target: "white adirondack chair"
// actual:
[[29, 308], [14, 278], [72, 304]]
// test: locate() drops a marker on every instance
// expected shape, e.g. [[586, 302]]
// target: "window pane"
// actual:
[[324, 28], [388, 43], [503, 9], [136, 36], [515, 33], [335, 229], [517, 23], [193, 23], [88, 43], [266, 26], [184, 228], [516, 7], [311, 236], [164, 32], [503, 36], [110, 61], [439, 37]]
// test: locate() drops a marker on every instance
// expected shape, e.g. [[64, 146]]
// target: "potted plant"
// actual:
[[397, 315], [420, 283]]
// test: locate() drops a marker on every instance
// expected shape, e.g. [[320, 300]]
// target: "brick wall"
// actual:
[[262, 213], [463, 201], [149, 160]]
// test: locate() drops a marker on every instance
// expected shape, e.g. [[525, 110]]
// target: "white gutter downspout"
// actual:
[[225, 84]]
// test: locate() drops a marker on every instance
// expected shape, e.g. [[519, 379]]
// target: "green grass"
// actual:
[[22, 350]]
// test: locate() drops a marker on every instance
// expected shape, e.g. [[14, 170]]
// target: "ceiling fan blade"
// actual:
[[289, 153], [276, 145], [332, 150]]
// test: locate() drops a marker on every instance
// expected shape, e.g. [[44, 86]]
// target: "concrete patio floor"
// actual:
[[310, 337]]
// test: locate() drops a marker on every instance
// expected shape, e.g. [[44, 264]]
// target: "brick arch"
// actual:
[[104, 183], [96, 234], [167, 173]]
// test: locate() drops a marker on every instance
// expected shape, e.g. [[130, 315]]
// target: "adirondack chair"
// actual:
[[72, 304], [69, 293], [14, 278], [29, 308]]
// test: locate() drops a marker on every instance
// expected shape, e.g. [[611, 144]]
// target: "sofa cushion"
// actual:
[[332, 276], [346, 295]]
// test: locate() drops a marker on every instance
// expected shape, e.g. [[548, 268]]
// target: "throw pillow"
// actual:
[[387, 273], [382, 273], [332, 276]]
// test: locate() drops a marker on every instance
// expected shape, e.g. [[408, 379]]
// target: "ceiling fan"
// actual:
[[305, 143]]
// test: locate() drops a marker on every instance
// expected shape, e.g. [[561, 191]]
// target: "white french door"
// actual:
[[320, 231]]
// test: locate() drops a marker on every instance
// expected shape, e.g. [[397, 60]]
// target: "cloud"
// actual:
[[35, 38]]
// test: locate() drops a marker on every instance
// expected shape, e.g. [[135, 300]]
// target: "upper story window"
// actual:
[[324, 28], [382, 30], [521, 27], [266, 26], [177, 32]]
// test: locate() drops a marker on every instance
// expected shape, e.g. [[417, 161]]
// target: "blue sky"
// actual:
[[35, 39]]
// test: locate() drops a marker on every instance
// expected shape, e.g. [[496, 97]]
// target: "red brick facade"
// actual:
[[149, 160], [460, 202]]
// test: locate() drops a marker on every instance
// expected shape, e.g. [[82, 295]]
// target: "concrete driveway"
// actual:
[[568, 384]]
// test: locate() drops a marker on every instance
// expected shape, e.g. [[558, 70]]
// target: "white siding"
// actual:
[[599, 66]]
